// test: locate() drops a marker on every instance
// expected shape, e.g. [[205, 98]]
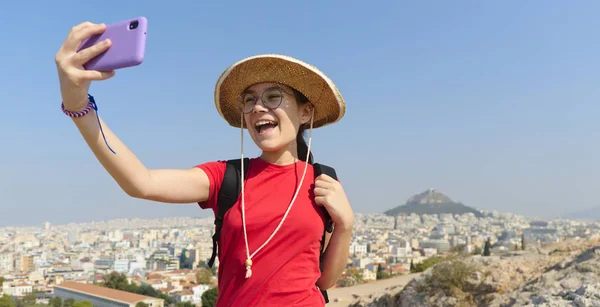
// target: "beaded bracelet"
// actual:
[[81, 113], [91, 105]]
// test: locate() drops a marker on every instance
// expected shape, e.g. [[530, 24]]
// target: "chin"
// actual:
[[272, 141], [269, 145]]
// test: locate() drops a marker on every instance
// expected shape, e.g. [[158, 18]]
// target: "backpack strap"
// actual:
[[228, 195], [329, 171]]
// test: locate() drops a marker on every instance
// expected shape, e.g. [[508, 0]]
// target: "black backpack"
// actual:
[[229, 194]]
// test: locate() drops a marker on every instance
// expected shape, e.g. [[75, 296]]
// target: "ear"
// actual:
[[306, 111]]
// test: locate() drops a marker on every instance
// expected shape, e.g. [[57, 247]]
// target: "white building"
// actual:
[[358, 249]]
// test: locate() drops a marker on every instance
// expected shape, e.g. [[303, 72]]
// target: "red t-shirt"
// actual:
[[285, 271]]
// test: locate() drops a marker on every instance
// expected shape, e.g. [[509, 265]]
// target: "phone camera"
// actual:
[[133, 25]]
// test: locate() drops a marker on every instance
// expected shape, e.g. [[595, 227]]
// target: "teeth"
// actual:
[[264, 122]]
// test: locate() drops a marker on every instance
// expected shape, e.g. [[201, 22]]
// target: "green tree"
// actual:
[[182, 259], [459, 248], [29, 299], [204, 276], [202, 264], [1, 281], [412, 265], [427, 263], [6, 301], [451, 275], [116, 280], [146, 290], [55, 302], [487, 248], [209, 297], [353, 277], [141, 304], [69, 302], [85, 303], [168, 300], [381, 273], [184, 304], [523, 242]]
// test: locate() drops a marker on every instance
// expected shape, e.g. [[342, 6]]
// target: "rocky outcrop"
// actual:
[[565, 274]]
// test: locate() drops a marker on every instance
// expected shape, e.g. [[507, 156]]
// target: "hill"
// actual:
[[589, 214], [432, 202], [562, 274]]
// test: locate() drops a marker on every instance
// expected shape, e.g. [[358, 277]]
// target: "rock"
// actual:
[[567, 274], [524, 297], [571, 283], [581, 302], [563, 264], [539, 299]]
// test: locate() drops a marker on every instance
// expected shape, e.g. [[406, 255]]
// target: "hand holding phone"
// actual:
[[127, 49], [93, 52]]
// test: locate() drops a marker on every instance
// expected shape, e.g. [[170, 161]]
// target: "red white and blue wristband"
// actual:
[[91, 105]]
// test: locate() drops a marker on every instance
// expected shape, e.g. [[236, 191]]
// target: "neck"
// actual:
[[284, 156]]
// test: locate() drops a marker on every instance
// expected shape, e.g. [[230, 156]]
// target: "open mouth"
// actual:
[[265, 125]]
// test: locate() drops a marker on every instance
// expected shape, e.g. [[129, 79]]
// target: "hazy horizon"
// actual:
[[577, 215]]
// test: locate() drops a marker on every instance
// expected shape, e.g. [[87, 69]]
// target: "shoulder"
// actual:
[[212, 166], [214, 170]]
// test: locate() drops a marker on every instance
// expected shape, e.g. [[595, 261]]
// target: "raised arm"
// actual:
[[170, 186]]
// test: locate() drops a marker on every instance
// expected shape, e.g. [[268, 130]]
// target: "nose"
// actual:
[[259, 106]]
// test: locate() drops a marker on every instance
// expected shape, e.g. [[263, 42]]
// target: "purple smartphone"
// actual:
[[128, 39]]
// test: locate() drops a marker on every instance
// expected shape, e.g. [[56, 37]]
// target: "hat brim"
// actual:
[[316, 86]]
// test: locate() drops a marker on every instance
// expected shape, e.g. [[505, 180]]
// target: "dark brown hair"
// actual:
[[301, 145]]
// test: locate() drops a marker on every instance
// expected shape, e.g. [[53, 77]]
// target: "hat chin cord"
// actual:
[[248, 262]]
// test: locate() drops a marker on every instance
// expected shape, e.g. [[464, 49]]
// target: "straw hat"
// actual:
[[305, 78]]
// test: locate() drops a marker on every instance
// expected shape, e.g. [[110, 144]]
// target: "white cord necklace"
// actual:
[[248, 262]]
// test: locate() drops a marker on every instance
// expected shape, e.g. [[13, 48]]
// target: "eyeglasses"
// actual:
[[271, 98]]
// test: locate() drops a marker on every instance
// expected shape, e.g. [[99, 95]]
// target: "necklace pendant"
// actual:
[[248, 264], [248, 271]]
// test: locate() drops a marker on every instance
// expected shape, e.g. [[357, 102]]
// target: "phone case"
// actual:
[[128, 46]]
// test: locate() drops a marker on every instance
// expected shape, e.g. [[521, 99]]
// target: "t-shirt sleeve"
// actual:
[[214, 171]]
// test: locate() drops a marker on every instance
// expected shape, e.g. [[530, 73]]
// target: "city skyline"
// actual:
[[166, 259], [208, 219], [587, 214]]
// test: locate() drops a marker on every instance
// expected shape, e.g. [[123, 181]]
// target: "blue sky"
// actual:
[[493, 103]]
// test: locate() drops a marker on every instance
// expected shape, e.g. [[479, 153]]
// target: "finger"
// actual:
[[96, 75], [81, 26], [320, 200], [320, 191], [73, 30], [87, 54], [327, 178], [75, 39], [323, 177], [322, 184]]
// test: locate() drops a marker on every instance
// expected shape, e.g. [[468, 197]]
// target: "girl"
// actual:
[[270, 240]]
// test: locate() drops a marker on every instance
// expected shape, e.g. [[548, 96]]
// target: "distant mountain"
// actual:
[[432, 202], [590, 214]]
